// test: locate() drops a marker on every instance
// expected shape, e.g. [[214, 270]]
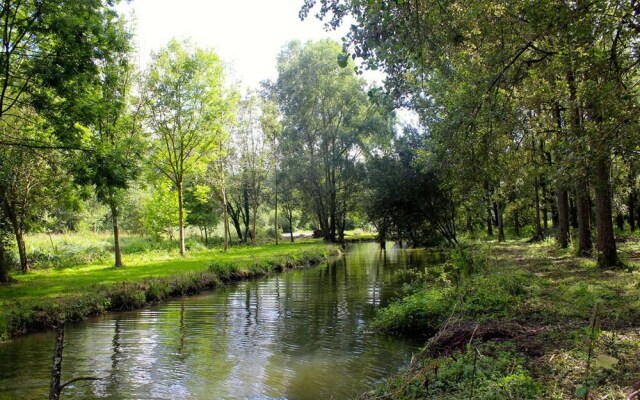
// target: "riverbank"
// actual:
[[37, 300], [520, 321]]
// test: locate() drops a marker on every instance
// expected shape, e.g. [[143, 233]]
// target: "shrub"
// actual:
[[422, 311]]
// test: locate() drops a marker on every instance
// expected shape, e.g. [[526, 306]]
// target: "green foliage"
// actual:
[[421, 312], [496, 373], [160, 211], [54, 52], [405, 198], [185, 83], [327, 121], [202, 211]]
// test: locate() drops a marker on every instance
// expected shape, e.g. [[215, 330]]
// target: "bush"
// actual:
[[422, 311]]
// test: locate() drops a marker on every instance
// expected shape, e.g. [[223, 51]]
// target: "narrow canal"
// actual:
[[297, 335]]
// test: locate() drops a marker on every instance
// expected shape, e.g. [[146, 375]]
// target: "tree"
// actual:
[[52, 53], [406, 197], [455, 64], [27, 178], [160, 213], [272, 129], [187, 111], [327, 120], [113, 129], [251, 145]]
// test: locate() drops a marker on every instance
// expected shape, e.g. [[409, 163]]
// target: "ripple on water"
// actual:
[[297, 335]]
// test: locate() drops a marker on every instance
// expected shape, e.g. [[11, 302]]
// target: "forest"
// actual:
[[521, 167]]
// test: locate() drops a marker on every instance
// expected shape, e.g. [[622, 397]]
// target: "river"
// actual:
[[296, 335]]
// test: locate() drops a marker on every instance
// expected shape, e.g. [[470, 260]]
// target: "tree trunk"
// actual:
[[605, 242], [516, 222], [342, 223], [275, 221], [4, 267], [56, 370], [538, 235], [489, 222], [235, 220], [573, 213], [206, 236], [181, 219], [620, 222], [563, 218], [19, 234], [332, 225], [545, 210], [225, 213], [116, 233], [584, 219], [246, 217], [631, 205], [253, 226], [498, 208]]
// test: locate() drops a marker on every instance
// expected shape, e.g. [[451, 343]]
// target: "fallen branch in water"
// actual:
[[56, 371]]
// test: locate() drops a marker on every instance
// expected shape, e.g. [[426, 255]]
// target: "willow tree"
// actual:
[[187, 111], [327, 121]]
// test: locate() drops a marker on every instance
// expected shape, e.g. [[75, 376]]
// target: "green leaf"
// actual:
[[343, 60], [581, 391], [606, 361]]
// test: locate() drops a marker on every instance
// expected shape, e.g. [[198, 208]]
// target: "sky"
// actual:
[[246, 34]]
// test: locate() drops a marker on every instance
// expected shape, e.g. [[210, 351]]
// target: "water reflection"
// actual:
[[298, 335]]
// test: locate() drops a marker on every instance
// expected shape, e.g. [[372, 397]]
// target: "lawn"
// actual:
[[77, 279]]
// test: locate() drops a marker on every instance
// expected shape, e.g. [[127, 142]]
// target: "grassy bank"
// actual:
[[35, 301], [519, 321]]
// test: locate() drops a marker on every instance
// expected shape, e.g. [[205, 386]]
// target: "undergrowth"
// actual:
[[515, 321]]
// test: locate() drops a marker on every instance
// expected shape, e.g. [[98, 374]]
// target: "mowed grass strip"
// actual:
[[42, 298], [138, 267]]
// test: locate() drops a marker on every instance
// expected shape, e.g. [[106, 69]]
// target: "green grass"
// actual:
[[77, 279], [526, 308], [36, 300]]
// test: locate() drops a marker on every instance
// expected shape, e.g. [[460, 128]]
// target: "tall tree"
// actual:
[[272, 129], [47, 42], [27, 177], [253, 158], [113, 130], [187, 111], [452, 62], [327, 120]]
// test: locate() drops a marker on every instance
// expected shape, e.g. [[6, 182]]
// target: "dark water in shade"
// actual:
[[297, 335]]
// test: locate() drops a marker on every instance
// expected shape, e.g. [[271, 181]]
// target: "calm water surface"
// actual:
[[297, 335]]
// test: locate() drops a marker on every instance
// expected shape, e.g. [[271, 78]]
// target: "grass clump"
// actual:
[[419, 312]]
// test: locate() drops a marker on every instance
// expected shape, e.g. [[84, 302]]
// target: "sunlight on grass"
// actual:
[[157, 263]]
